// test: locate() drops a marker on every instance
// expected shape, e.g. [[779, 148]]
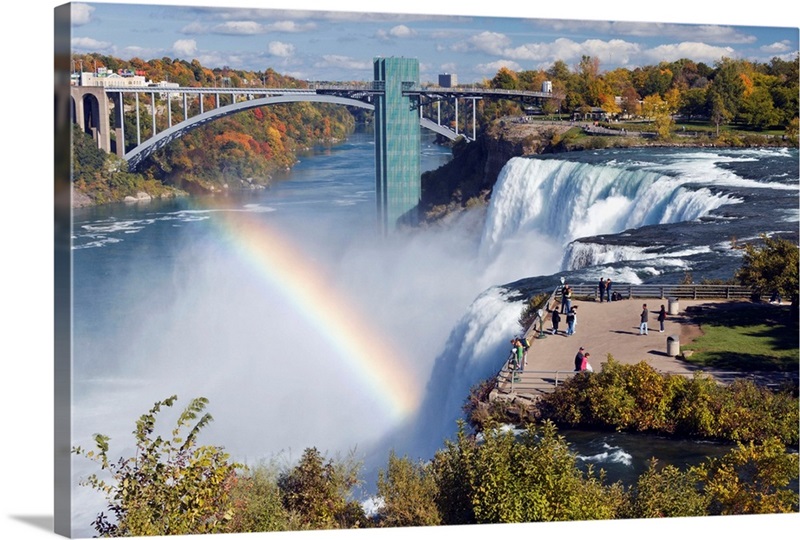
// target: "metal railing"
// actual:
[[693, 291], [533, 383]]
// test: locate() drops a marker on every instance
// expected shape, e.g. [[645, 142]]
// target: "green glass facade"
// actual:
[[397, 144]]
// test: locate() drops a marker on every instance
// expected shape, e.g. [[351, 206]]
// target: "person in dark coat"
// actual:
[[643, 321], [602, 287], [556, 317], [579, 359], [662, 316]]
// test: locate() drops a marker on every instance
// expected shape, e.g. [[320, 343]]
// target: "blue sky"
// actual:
[[306, 40]]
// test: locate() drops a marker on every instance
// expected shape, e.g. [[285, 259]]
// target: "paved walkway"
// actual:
[[605, 328]]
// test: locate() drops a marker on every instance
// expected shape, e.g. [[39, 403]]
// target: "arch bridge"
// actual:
[[396, 97]]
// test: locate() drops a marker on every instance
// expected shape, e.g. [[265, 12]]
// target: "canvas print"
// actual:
[[346, 270]]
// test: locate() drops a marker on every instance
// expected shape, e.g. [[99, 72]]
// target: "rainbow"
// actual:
[[374, 366]]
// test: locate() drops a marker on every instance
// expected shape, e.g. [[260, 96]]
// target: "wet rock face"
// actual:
[[472, 173]]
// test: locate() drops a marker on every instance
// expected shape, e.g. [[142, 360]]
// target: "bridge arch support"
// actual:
[[90, 111], [135, 156]]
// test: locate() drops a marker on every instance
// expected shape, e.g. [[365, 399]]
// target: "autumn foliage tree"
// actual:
[[771, 266], [171, 485]]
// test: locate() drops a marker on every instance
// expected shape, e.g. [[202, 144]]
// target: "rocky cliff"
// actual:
[[468, 179]]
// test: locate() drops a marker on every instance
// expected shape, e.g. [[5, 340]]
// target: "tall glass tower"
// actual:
[[397, 145]]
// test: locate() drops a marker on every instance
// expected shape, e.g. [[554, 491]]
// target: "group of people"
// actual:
[[571, 320], [582, 360], [645, 316], [519, 352], [520, 345]]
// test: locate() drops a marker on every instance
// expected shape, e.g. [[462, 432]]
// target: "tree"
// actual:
[[317, 491], [719, 114], [773, 266], [170, 486], [505, 79], [257, 503], [661, 111], [752, 479], [408, 491], [667, 492], [630, 102]]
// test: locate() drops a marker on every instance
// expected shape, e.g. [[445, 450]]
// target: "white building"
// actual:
[[110, 79]]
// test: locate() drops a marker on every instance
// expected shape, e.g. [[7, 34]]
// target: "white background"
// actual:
[[26, 211]]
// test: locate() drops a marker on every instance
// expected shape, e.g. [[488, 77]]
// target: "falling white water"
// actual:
[[559, 201]]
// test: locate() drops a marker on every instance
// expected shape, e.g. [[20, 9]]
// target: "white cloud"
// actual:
[[402, 31], [777, 47], [709, 33], [280, 49], [88, 43], [81, 14], [243, 28], [290, 27], [699, 52], [493, 67], [615, 51], [184, 47], [194, 28], [339, 61], [486, 42]]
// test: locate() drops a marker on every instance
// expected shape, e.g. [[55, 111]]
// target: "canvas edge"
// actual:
[[62, 214]]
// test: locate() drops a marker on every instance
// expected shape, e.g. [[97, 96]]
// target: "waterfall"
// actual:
[[561, 201], [538, 209]]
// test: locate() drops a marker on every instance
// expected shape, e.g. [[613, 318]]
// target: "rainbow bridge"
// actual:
[[395, 95]]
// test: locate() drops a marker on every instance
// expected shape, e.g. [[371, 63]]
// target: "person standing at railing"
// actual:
[[602, 288], [608, 290]]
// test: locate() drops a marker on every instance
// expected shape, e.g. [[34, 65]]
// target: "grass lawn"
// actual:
[[746, 337]]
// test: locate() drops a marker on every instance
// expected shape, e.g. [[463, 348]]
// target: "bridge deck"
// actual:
[[602, 329]]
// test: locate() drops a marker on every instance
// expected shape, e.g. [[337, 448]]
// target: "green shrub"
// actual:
[[638, 398]]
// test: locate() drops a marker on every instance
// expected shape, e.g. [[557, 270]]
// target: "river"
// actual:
[[304, 327]]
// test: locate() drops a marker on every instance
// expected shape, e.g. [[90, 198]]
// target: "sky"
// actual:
[[340, 45]]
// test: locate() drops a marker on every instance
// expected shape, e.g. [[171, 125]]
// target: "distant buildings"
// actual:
[[123, 78], [448, 80], [106, 78]]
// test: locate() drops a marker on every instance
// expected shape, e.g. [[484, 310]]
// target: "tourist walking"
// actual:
[[579, 359], [556, 318], [602, 288], [585, 365], [662, 316], [643, 321]]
